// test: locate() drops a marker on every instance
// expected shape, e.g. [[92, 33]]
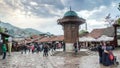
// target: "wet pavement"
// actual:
[[85, 59]]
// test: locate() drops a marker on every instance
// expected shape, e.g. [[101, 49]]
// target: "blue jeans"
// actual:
[[100, 59]]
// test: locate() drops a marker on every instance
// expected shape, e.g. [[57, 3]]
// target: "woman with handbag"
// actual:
[[106, 56]]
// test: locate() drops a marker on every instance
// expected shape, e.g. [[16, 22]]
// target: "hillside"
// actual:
[[18, 32]]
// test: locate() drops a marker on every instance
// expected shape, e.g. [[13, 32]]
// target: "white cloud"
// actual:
[[20, 19], [33, 3], [98, 21], [1, 1], [93, 23], [23, 19], [87, 14]]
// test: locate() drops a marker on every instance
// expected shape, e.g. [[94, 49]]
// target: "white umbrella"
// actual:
[[87, 39], [82, 39], [105, 38]]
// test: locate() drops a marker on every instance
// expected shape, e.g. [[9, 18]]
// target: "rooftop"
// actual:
[[70, 13]]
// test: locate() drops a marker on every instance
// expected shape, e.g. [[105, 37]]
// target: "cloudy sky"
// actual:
[[43, 14]]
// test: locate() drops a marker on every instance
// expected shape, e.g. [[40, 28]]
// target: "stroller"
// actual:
[[115, 62], [113, 59]]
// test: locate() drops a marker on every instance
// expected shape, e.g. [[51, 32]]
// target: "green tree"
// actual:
[[83, 32], [0, 29], [119, 21]]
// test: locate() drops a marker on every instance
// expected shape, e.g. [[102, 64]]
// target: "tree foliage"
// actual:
[[119, 21], [83, 32]]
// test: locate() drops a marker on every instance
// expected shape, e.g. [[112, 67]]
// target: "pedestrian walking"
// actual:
[[100, 52], [38, 48], [75, 48], [54, 46], [29, 48], [24, 49], [4, 49], [32, 48], [63, 46], [9, 45], [41, 47], [45, 50]]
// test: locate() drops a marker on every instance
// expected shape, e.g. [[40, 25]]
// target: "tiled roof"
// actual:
[[35, 36], [45, 39], [96, 33], [58, 38], [53, 38], [109, 31]]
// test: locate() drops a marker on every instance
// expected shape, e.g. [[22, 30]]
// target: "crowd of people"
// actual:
[[34, 47], [106, 56], [41, 47]]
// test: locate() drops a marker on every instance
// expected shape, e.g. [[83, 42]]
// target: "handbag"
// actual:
[[111, 57]]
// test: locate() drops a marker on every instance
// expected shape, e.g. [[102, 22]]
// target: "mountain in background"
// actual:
[[30, 30], [18, 32]]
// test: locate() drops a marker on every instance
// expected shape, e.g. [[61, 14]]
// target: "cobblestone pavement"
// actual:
[[18, 60]]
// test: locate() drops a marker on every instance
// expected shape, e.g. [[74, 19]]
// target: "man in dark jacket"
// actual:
[[100, 51], [45, 50]]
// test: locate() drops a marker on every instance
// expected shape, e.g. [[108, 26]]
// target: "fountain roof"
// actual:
[[70, 13]]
